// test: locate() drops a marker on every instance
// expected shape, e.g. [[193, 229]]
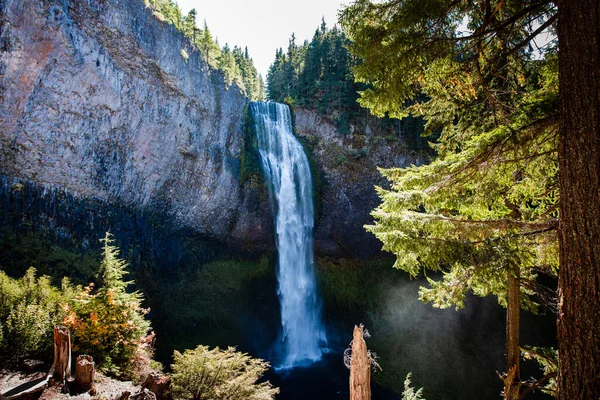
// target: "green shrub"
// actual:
[[109, 324], [27, 329], [409, 392], [218, 375], [29, 307]]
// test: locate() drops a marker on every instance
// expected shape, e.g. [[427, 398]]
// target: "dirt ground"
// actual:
[[106, 388]]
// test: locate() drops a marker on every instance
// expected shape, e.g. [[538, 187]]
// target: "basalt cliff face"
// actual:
[[110, 120], [97, 99], [346, 165]]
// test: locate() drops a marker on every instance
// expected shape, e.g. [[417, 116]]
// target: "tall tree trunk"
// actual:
[[579, 165], [512, 381]]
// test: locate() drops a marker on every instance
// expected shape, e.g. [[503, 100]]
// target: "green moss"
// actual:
[[250, 168], [309, 145], [206, 304], [349, 286]]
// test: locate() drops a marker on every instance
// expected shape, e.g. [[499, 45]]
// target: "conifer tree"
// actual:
[[484, 213], [210, 49], [231, 71], [244, 73], [189, 25], [109, 324]]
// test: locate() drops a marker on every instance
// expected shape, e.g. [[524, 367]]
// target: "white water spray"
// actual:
[[287, 172]]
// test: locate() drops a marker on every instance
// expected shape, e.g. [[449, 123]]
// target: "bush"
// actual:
[[218, 375], [27, 328], [29, 307], [109, 324]]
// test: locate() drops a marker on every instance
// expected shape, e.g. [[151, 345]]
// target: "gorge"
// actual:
[[105, 125]]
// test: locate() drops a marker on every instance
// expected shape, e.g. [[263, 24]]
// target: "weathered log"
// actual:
[[84, 373], [158, 384], [27, 390], [360, 368], [62, 354]]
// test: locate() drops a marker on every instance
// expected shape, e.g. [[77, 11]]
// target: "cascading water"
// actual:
[[287, 172]]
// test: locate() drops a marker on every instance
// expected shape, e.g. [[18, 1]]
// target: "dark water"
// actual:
[[325, 379]]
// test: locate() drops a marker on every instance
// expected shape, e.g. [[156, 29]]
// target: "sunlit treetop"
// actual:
[[487, 205]]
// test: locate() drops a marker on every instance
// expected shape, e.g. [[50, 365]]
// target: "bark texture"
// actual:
[[158, 384], [84, 373], [360, 368], [62, 354], [512, 381], [579, 163]]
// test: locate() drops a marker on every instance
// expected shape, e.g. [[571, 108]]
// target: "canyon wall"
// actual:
[[97, 98], [106, 106], [346, 174]]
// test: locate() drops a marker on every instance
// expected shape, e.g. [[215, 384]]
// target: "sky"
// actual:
[[263, 25]]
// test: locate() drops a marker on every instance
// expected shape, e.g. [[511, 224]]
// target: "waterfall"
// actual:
[[287, 173]]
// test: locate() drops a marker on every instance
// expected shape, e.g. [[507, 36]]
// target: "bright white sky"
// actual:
[[263, 25]]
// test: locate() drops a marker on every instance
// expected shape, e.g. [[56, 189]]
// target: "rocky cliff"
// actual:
[[109, 119], [96, 98], [346, 165]]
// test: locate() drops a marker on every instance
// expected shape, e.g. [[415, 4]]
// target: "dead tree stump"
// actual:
[[62, 354], [84, 373], [158, 384], [360, 368]]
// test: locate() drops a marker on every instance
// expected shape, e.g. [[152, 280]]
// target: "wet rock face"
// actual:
[[347, 164], [96, 98]]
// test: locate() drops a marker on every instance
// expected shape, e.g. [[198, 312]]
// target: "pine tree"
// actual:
[[210, 49], [484, 213], [244, 73], [189, 25], [110, 324], [579, 161], [227, 63], [317, 74]]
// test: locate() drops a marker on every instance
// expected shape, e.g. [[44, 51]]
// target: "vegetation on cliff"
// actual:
[[235, 64], [318, 74]]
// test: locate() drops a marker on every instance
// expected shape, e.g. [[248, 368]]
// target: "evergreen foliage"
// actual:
[[219, 375], [317, 74], [409, 392], [484, 213], [23, 248], [109, 324], [236, 65], [488, 204]]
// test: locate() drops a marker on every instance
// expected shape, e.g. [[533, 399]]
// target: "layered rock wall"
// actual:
[[98, 99], [347, 165]]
